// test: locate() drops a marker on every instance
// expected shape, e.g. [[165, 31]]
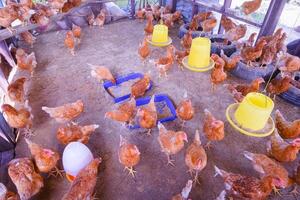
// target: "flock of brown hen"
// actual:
[[25, 173]]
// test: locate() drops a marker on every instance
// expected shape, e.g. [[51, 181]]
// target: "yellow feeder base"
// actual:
[[197, 69], [266, 131], [159, 44]]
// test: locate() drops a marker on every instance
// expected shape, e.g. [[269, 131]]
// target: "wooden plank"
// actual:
[[272, 17], [5, 34], [227, 4], [227, 12]]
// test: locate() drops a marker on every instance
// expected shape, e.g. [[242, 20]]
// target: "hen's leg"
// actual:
[[170, 162], [208, 145], [213, 87], [196, 180], [295, 192], [56, 172], [72, 52], [182, 123], [131, 171], [149, 132], [276, 191]]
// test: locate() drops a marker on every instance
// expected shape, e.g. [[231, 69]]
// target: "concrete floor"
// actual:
[[61, 78]]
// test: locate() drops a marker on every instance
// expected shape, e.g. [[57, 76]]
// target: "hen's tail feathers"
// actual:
[[221, 195], [187, 189], [220, 172], [160, 126], [197, 137], [248, 155]]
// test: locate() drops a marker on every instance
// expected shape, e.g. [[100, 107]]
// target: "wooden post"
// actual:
[[227, 4], [195, 8], [174, 3], [132, 9], [272, 17]]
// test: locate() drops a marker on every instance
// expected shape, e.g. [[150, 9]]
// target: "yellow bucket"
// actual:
[[199, 56], [160, 34], [254, 111]]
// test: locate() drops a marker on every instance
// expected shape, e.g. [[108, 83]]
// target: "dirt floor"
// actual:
[[60, 78]]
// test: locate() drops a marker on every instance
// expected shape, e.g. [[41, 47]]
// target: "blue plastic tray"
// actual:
[[160, 108], [119, 81]]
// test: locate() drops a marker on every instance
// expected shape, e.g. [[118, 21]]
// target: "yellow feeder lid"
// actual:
[[264, 132], [197, 69]]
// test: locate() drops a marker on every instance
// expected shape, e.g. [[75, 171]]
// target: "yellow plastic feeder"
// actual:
[[252, 115], [160, 36], [199, 58]]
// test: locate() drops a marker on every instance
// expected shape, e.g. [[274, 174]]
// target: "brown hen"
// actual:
[[236, 33], [23, 175], [278, 86], [195, 157], [66, 112], [165, 63], [281, 150], [247, 187], [209, 24], [149, 26], [269, 167], [202, 16], [124, 113], [147, 115], [28, 38], [230, 62], [139, 88], [144, 50], [212, 128], [100, 19], [245, 89], [76, 32], [102, 73], [185, 110], [75, 133], [250, 54], [45, 159], [249, 7], [26, 61], [140, 14], [129, 155], [83, 185], [70, 42], [16, 91], [218, 75], [287, 129], [21, 118], [171, 142], [227, 23], [292, 64], [187, 39]]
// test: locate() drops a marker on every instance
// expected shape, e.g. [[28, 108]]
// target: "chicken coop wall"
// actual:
[[267, 27]]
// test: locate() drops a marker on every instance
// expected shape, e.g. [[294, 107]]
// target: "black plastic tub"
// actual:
[[216, 45], [184, 29], [293, 94], [250, 73]]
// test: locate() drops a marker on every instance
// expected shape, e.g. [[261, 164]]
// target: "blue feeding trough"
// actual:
[[121, 90], [165, 109]]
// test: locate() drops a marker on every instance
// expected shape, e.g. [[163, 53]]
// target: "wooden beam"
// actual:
[[5, 34], [227, 4], [174, 3], [272, 17], [227, 12]]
